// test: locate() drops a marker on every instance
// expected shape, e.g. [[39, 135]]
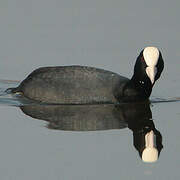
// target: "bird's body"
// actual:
[[88, 85], [72, 85]]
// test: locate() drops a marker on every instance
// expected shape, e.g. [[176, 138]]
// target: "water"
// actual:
[[104, 34]]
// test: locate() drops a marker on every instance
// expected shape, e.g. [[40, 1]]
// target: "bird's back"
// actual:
[[71, 85]]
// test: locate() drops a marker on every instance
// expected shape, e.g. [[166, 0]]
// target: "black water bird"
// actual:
[[89, 85]]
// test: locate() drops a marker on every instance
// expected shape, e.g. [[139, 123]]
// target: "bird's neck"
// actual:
[[142, 87], [134, 90]]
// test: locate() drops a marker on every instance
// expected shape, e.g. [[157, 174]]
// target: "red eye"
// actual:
[[142, 58]]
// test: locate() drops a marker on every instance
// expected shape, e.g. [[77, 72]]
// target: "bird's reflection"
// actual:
[[146, 138], [136, 116]]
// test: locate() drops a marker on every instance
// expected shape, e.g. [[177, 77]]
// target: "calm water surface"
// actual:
[[104, 34], [84, 142]]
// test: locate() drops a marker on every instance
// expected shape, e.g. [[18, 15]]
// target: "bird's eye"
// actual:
[[142, 58]]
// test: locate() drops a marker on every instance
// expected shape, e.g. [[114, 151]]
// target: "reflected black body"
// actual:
[[140, 128], [78, 117], [136, 116], [90, 117]]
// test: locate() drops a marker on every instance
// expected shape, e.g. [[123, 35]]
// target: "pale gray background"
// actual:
[[101, 33]]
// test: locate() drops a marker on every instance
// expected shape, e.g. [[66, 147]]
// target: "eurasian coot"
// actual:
[[88, 85]]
